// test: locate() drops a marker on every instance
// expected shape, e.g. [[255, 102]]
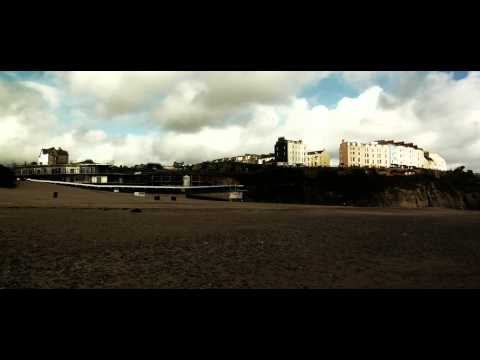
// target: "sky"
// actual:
[[139, 117]]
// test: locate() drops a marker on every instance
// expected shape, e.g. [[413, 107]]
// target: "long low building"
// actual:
[[388, 153], [59, 169], [248, 159]]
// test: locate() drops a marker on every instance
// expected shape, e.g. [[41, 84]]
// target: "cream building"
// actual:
[[317, 158], [373, 154], [389, 153], [290, 152]]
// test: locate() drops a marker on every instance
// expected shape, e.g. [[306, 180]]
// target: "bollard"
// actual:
[[55, 194], [156, 197], [173, 198]]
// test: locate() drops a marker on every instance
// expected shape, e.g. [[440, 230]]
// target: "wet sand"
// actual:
[[92, 239]]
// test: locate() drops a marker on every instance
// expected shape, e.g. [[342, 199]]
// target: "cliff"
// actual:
[[427, 196], [457, 189]]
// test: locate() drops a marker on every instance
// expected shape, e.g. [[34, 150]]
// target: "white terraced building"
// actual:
[[434, 161], [383, 153]]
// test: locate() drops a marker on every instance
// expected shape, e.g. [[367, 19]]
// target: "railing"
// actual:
[[138, 186]]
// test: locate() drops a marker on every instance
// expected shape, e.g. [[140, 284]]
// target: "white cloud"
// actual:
[[50, 94], [96, 135], [185, 101], [201, 116], [442, 115], [25, 121], [13, 130], [121, 92]]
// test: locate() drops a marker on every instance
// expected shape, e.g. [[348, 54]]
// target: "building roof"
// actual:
[[398, 143], [46, 151], [315, 152], [58, 151], [89, 164], [290, 141], [86, 162], [427, 156]]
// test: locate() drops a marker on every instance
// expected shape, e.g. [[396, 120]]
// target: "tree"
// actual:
[[88, 161], [153, 166], [7, 177]]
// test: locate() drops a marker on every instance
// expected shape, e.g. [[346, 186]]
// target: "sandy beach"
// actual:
[[92, 239]]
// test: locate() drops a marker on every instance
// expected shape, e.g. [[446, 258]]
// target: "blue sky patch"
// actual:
[[328, 91]]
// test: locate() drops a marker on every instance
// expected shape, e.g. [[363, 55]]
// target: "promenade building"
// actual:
[[80, 168], [53, 164]]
